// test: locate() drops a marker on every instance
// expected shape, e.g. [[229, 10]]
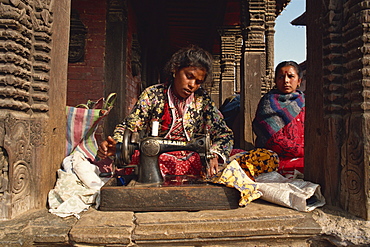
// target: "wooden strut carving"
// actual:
[[25, 55], [4, 184]]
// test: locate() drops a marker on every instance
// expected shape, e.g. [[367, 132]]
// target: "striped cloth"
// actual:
[[274, 111], [82, 123]]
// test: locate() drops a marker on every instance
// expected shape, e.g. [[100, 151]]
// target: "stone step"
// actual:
[[258, 224]]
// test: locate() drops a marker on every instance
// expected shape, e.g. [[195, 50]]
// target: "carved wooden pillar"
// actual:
[[238, 59], [230, 35], [270, 33], [355, 159], [254, 64], [337, 151], [213, 87], [33, 75], [115, 61]]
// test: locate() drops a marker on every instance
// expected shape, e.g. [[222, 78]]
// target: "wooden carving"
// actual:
[[25, 55], [77, 39], [354, 177]]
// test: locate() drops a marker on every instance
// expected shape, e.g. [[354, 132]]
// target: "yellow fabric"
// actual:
[[242, 170], [233, 176], [257, 161]]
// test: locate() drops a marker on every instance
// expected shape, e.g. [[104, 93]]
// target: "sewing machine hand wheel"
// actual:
[[126, 148]]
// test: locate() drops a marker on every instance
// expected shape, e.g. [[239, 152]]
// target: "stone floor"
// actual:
[[258, 224]]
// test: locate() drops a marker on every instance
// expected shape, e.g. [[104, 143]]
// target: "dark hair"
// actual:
[[191, 56], [289, 63]]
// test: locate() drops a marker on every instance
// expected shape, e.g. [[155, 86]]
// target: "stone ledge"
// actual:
[[98, 227], [258, 224], [258, 221]]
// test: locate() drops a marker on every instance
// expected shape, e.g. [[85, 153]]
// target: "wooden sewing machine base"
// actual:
[[178, 193]]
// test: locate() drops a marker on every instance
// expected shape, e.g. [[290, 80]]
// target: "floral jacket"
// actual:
[[200, 114]]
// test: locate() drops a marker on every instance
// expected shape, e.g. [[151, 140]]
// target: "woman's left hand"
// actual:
[[213, 166]]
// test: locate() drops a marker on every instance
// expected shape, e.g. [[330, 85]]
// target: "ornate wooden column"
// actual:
[[270, 40], [254, 64], [213, 87], [230, 52], [238, 59], [355, 100], [115, 61], [33, 95], [337, 149]]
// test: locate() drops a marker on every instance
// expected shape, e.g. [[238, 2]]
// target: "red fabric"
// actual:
[[166, 119], [288, 143], [180, 163], [171, 163], [236, 151]]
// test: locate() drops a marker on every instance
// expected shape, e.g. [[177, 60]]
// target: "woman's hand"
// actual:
[[107, 148], [213, 166]]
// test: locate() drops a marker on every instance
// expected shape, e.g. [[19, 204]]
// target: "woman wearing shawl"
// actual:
[[279, 121]]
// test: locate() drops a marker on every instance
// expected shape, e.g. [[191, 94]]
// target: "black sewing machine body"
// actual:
[[151, 147]]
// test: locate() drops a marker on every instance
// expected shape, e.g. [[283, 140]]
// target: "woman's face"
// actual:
[[287, 79], [187, 81]]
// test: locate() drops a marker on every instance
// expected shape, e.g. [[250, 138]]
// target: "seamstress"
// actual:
[[183, 109]]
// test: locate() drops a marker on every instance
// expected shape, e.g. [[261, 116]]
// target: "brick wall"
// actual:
[[86, 79]]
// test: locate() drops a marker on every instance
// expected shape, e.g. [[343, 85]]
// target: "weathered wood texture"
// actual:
[[355, 158], [55, 148], [231, 40], [32, 120], [258, 20], [250, 95], [167, 198], [316, 146], [337, 142], [115, 61]]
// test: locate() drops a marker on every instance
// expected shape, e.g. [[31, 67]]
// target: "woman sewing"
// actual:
[[183, 109], [279, 120]]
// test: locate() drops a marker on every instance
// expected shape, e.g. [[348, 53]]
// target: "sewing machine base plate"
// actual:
[[177, 196]]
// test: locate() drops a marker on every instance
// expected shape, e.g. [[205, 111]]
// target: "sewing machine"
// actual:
[[151, 147], [149, 190]]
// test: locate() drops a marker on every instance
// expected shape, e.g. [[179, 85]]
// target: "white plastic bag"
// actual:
[[293, 193]]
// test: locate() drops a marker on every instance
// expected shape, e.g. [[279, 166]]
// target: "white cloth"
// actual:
[[77, 187]]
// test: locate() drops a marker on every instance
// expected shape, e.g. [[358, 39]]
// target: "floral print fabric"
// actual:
[[257, 161], [200, 115], [242, 170], [234, 176]]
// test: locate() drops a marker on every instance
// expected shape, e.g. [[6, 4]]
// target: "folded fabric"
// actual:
[[70, 196], [234, 176], [77, 187], [87, 172]]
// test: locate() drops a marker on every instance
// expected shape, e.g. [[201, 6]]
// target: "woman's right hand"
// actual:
[[107, 148]]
